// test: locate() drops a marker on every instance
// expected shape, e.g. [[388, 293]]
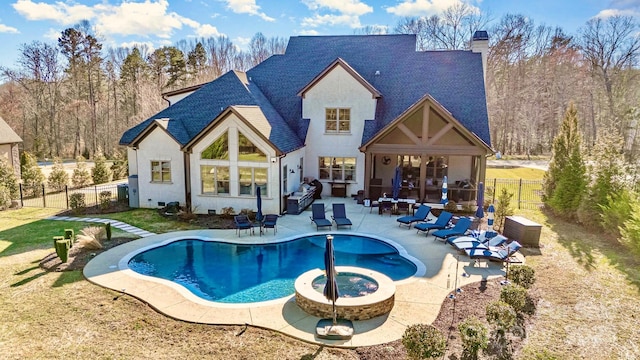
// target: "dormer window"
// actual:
[[338, 120]]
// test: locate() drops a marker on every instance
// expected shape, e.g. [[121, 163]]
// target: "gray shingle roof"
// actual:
[[389, 63]]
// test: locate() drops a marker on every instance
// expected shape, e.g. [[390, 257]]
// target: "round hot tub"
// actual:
[[364, 293]]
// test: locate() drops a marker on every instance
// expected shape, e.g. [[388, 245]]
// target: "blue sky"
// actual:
[[162, 22]]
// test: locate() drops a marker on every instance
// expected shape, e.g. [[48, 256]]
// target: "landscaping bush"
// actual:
[[424, 342], [501, 315], [5, 197], [105, 200], [77, 203], [107, 229], [474, 337], [228, 211], [120, 166], [451, 206], [9, 179], [62, 248], [32, 177], [81, 176], [631, 228], [90, 237], [58, 178], [616, 211], [503, 208], [514, 295], [523, 275], [100, 173]]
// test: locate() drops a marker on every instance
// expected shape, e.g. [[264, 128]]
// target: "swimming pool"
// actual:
[[240, 273]]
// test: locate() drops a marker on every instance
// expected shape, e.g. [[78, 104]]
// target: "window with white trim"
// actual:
[[214, 179], [251, 178], [337, 168], [160, 171], [337, 120]]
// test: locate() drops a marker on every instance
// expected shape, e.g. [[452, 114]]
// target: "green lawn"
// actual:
[[515, 173]]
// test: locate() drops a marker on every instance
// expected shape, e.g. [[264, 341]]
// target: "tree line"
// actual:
[[76, 98]]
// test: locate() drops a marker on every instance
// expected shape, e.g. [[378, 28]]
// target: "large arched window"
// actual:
[[247, 151], [218, 150]]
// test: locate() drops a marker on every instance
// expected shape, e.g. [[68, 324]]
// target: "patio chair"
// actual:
[[459, 229], [501, 254], [402, 207], [340, 216], [242, 223], [270, 221], [441, 223], [318, 217], [469, 242], [420, 215], [385, 205]]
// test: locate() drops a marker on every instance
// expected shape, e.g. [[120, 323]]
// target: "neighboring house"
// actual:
[[340, 109], [9, 142]]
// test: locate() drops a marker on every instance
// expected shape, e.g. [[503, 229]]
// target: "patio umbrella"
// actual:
[[490, 214], [331, 288], [480, 201], [259, 203], [444, 199], [397, 183]]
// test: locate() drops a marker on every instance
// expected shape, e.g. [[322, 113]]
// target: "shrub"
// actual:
[[503, 208], [474, 337], [424, 342], [451, 206], [62, 248], [630, 230], [81, 176], [9, 179], [100, 173], [523, 275], [616, 211], [228, 211], [119, 168], [514, 295], [501, 315], [58, 178], [90, 237], [77, 203], [32, 176], [105, 200], [5, 197], [107, 230]]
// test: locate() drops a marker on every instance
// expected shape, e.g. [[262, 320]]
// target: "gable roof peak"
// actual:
[[340, 62]]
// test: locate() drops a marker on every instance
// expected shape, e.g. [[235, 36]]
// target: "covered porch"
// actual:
[[427, 143]]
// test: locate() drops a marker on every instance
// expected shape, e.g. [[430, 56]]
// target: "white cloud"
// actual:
[[607, 13], [139, 44], [8, 29], [206, 30], [247, 7], [52, 34], [421, 7], [335, 12], [309, 32], [60, 12], [242, 42], [332, 20]]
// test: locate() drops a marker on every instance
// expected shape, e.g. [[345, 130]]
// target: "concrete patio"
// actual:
[[417, 299]]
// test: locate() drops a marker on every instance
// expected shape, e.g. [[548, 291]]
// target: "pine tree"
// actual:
[[119, 168], [8, 178], [58, 178], [81, 176], [32, 176], [100, 173], [565, 181]]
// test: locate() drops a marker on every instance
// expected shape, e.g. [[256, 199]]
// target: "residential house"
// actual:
[[9, 142], [345, 110]]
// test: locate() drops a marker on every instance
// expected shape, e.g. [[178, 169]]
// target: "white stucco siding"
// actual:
[[159, 146], [132, 161], [5, 152], [337, 89], [204, 202], [459, 168]]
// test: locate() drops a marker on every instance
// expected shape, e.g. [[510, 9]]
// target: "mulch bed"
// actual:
[[472, 301]]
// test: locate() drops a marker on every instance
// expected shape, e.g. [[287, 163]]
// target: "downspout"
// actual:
[[167, 100], [186, 157], [280, 184]]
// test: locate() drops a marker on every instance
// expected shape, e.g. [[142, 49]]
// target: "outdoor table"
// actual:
[[395, 202]]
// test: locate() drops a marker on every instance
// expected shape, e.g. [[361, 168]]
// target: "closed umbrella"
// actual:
[[490, 215], [444, 199], [480, 201], [259, 203], [331, 287], [397, 183]]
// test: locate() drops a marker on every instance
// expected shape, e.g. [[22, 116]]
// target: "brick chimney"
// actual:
[[480, 44]]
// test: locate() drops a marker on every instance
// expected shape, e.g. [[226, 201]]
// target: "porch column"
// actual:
[[423, 175], [368, 161]]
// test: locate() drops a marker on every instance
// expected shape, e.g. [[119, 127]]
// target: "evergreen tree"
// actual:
[[81, 176], [607, 169], [565, 181], [58, 178], [100, 173], [119, 169], [8, 179], [32, 176], [503, 207]]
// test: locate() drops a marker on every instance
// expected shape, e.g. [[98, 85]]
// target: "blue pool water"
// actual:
[[234, 273]]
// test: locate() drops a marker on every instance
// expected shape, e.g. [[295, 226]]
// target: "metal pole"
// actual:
[[519, 193], [21, 197], [44, 197], [66, 194]]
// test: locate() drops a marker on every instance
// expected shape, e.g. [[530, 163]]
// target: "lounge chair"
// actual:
[[318, 217], [441, 223], [270, 221], [242, 223], [459, 229], [468, 242], [420, 215], [340, 216], [502, 254]]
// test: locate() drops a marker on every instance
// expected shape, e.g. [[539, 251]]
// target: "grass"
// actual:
[[588, 285], [515, 173]]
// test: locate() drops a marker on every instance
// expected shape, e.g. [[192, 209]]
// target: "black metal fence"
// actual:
[[61, 198], [527, 194]]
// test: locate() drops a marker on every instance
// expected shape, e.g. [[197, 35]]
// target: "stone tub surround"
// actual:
[[417, 299], [365, 307]]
